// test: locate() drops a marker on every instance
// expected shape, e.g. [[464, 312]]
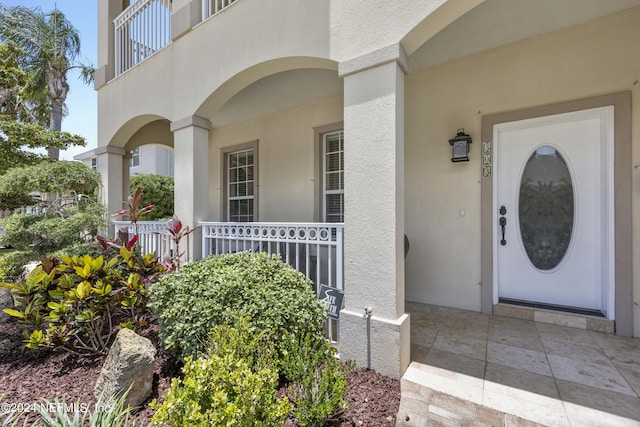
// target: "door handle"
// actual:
[[503, 224]]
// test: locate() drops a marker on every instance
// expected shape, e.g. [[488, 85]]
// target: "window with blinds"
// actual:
[[240, 186], [333, 171]]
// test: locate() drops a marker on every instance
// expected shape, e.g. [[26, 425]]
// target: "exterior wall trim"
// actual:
[[184, 19], [196, 121], [102, 76], [392, 53], [110, 150], [622, 198]]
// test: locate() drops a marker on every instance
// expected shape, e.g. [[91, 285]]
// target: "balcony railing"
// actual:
[[315, 249], [149, 240], [211, 7], [140, 30]]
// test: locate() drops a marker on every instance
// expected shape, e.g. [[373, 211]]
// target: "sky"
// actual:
[[82, 99]]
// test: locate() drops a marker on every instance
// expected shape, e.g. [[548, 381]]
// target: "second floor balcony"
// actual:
[[144, 28]]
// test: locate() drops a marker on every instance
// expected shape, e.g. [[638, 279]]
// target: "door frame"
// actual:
[[621, 102]]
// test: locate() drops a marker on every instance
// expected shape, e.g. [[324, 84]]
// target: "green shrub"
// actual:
[[80, 249], [225, 288], [77, 302], [45, 235], [234, 385], [12, 264], [52, 234], [57, 177], [17, 231], [318, 382], [157, 190]]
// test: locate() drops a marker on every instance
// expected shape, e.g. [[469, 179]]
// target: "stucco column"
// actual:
[[112, 166], [374, 213], [191, 176]]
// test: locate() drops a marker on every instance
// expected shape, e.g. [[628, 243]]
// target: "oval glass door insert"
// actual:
[[546, 208]]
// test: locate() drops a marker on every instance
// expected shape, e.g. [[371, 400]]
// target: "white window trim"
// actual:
[[326, 192], [225, 152], [231, 199]]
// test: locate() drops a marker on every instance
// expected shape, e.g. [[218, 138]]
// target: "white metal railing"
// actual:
[[140, 30], [149, 240], [211, 7], [315, 249]]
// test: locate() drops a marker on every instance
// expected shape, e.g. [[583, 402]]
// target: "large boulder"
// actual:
[[128, 364], [6, 301]]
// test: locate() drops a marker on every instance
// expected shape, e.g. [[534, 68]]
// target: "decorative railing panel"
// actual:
[[152, 237], [211, 7], [315, 249], [140, 30]]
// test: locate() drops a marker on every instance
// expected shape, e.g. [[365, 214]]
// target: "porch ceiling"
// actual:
[[498, 22], [277, 92]]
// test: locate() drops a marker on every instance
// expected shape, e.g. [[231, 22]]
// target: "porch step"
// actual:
[[433, 396], [553, 317]]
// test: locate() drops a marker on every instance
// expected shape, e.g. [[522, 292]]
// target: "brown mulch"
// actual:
[[26, 376]]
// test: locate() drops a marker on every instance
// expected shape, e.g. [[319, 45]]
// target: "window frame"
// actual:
[[320, 133], [134, 161], [226, 152]]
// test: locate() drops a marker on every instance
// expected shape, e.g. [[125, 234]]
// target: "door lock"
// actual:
[[503, 224]]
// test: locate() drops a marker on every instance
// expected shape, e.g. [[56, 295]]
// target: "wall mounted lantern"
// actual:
[[460, 146]]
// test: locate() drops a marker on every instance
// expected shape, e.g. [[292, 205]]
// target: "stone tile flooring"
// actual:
[[527, 371]]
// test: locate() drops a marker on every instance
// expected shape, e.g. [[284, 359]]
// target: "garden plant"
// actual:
[[77, 303], [246, 326], [262, 318]]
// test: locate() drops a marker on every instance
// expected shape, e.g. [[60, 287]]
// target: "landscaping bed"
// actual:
[[27, 375]]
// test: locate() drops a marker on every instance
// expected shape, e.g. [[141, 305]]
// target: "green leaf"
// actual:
[[14, 313], [83, 290], [55, 306], [56, 294], [35, 340], [112, 262], [97, 263]]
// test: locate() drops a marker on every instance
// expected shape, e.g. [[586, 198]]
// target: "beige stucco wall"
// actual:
[[288, 168], [205, 67], [359, 27], [596, 58], [247, 41]]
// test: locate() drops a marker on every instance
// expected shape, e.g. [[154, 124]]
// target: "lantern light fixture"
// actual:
[[460, 146]]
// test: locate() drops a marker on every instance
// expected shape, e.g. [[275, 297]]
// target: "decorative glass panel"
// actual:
[[546, 208]]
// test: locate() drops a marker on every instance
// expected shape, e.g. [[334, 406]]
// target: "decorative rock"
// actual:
[[6, 301], [128, 364]]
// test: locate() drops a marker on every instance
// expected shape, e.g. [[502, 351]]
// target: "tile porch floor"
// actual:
[[527, 371]]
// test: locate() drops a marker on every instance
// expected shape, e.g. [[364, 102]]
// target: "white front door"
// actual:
[[553, 198]]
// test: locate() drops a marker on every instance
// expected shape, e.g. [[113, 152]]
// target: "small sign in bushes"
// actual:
[[332, 300]]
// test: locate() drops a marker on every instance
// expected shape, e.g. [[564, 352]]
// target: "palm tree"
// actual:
[[51, 45]]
